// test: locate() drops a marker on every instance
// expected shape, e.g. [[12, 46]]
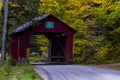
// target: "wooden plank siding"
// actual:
[[20, 38]]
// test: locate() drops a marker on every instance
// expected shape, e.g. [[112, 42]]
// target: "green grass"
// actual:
[[36, 58], [117, 66], [22, 72]]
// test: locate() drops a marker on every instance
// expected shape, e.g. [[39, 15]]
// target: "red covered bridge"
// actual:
[[59, 34]]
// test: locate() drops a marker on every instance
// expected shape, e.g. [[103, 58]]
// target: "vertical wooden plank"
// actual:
[[66, 52], [50, 50], [18, 50], [14, 47], [69, 49]]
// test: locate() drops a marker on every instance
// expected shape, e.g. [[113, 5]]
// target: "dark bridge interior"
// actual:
[[57, 48]]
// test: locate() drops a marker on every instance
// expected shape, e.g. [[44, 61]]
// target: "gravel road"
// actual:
[[75, 72]]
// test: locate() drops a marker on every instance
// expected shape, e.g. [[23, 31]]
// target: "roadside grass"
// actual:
[[21, 72], [117, 66], [37, 58]]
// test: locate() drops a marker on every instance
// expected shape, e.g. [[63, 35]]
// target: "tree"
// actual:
[[3, 55], [20, 11], [97, 23], [1, 21]]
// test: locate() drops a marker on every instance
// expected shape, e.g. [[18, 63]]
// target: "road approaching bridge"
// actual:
[[74, 72]]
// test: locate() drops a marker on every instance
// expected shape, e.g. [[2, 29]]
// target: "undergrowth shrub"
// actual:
[[11, 61]]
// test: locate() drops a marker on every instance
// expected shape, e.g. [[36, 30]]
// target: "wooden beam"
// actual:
[[50, 50]]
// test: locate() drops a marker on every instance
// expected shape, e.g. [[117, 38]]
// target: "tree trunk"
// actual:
[[3, 53]]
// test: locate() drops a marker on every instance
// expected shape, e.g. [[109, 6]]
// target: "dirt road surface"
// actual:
[[76, 72]]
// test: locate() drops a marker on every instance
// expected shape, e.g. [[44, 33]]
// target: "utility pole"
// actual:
[[3, 51]]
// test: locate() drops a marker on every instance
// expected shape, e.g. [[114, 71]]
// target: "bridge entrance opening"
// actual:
[[48, 48]]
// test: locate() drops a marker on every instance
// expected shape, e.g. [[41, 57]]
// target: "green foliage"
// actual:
[[35, 58], [117, 66], [2, 73], [97, 23], [22, 11], [43, 41], [103, 53], [25, 72], [11, 61], [19, 12], [1, 5]]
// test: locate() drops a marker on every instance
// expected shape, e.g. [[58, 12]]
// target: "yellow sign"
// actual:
[[28, 52]]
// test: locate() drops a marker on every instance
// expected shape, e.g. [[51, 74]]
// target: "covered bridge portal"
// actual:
[[59, 34]]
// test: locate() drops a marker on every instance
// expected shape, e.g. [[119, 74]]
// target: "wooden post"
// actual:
[[50, 50]]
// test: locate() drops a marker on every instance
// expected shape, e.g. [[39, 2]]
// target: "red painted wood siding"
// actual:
[[20, 43]]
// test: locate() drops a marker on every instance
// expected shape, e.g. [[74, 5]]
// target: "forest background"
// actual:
[[97, 23]]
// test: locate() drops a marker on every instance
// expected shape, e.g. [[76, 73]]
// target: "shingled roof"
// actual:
[[29, 23]]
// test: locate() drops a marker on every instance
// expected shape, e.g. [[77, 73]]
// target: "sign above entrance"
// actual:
[[49, 25]]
